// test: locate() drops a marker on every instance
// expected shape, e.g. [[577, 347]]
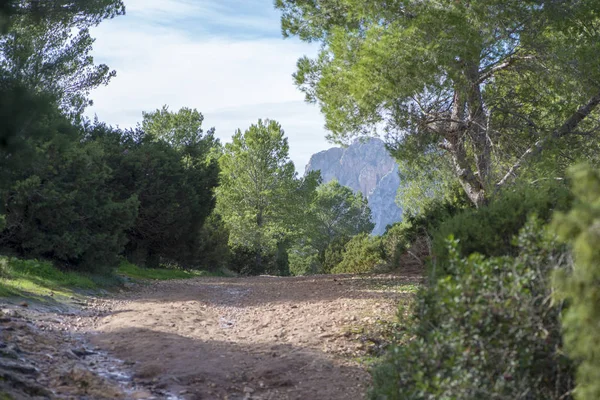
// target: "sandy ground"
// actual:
[[248, 338]]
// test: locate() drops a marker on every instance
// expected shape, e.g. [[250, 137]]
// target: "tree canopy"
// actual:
[[46, 46], [257, 182], [338, 213], [479, 87]]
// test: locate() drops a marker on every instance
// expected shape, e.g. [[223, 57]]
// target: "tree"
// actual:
[[91, 10], [362, 255], [332, 215], [57, 197], [259, 189], [198, 152], [23, 114], [47, 47], [479, 86], [181, 129], [338, 214], [175, 192]]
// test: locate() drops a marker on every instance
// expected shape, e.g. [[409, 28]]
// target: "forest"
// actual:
[[490, 107]]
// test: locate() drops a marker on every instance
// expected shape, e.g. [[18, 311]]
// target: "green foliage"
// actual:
[[48, 50], [82, 198], [175, 192], [460, 89], [44, 273], [181, 130], [55, 192], [213, 250], [81, 194], [33, 278], [581, 286], [24, 114], [259, 197], [362, 254], [338, 212], [398, 238], [486, 330], [304, 260], [135, 272], [333, 255], [250, 261], [489, 230], [333, 215], [58, 202], [282, 260], [426, 180]]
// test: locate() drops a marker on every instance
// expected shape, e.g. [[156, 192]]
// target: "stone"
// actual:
[[18, 367]]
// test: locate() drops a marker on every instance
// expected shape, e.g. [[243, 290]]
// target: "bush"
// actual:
[[213, 252], [333, 255], [303, 260], [62, 209], [490, 229], [362, 254], [247, 261], [484, 331], [581, 286], [399, 237]]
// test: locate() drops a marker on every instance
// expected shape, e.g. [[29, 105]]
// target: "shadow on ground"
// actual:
[[217, 369]]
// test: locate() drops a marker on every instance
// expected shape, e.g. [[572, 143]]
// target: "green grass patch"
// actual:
[[40, 280], [134, 272], [31, 278]]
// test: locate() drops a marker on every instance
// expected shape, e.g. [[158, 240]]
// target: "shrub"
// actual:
[[362, 254], [303, 260], [399, 237], [490, 229], [65, 212], [213, 252], [484, 331], [581, 286], [247, 261], [333, 255]]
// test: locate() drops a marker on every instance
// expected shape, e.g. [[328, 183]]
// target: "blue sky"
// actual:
[[224, 57]]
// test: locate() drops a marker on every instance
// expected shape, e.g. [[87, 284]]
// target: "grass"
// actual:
[[133, 271], [33, 278], [41, 279]]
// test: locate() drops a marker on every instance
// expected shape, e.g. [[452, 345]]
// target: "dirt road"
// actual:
[[250, 338]]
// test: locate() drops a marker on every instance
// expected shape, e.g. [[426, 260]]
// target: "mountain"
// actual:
[[364, 166]]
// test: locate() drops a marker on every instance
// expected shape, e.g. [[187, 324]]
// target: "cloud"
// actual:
[[232, 79]]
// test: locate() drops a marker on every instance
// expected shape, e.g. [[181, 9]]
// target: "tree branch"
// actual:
[[487, 74], [566, 128]]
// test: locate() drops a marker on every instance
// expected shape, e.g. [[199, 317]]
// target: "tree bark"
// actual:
[[455, 144]]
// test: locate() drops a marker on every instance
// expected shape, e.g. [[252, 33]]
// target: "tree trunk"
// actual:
[[458, 132], [259, 223]]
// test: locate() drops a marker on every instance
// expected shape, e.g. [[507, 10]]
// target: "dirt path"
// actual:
[[250, 338]]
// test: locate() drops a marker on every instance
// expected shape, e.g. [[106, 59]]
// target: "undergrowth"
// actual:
[[39, 279], [28, 278], [133, 271]]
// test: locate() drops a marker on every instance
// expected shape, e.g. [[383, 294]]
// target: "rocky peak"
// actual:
[[364, 166]]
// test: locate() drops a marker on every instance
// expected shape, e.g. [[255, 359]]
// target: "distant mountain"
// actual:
[[366, 167]]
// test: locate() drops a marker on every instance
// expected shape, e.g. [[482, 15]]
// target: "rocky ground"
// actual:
[[207, 338], [41, 357]]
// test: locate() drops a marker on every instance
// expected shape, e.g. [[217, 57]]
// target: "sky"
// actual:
[[226, 58]]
